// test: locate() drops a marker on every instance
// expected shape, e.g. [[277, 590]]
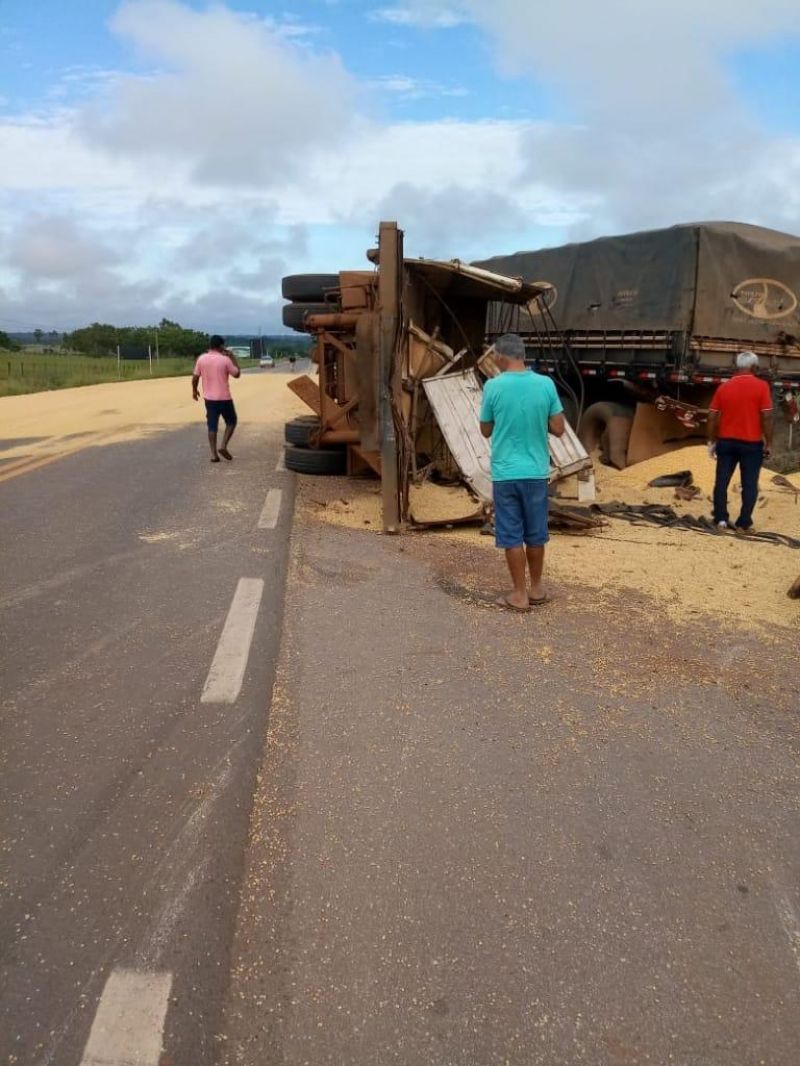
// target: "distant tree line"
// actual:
[[7, 343], [171, 340], [51, 338]]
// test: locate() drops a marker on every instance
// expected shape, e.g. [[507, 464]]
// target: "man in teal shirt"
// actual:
[[519, 409]]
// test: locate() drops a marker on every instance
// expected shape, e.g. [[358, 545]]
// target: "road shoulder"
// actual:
[[562, 838]]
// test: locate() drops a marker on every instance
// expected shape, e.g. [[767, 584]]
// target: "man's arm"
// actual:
[[235, 362], [767, 421], [195, 384], [714, 415], [713, 426], [767, 431], [486, 416], [556, 424]]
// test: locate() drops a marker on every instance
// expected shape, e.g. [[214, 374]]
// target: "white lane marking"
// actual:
[[280, 466], [224, 681], [128, 1029], [272, 510], [790, 922]]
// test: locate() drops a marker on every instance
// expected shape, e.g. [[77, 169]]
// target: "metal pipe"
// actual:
[[334, 320], [500, 280], [390, 245], [340, 436]]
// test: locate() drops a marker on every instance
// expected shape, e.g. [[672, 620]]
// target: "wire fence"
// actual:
[[22, 373]]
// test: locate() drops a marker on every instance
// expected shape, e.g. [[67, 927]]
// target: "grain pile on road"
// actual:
[[47, 424], [356, 505], [777, 511], [687, 575], [440, 503], [360, 504]]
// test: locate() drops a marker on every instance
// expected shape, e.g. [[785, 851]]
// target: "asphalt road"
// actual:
[[124, 797], [563, 839]]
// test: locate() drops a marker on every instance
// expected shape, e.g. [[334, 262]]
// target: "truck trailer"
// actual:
[[648, 324]]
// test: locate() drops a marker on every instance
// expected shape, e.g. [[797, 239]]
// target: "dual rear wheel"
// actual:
[[310, 294], [302, 458]]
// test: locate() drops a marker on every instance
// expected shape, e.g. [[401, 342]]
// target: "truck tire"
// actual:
[[316, 461], [300, 430], [308, 288], [294, 314], [607, 425]]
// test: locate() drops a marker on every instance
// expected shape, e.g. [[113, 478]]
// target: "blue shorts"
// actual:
[[520, 513], [215, 408]]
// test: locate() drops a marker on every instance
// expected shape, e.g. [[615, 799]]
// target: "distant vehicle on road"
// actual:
[[266, 362]]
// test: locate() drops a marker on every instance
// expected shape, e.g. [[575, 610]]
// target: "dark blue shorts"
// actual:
[[520, 513], [215, 408]]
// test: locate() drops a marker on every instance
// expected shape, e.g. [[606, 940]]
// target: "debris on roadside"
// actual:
[[687, 492], [575, 520], [784, 483], [432, 505], [667, 481], [634, 486], [660, 515]]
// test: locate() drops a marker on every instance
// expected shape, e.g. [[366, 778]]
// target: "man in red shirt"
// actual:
[[214, 368], [740, 431]]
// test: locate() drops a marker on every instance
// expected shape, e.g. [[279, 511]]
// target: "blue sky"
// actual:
[[169, 157]]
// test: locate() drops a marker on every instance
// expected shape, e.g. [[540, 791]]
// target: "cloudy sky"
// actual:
[[176, 158]]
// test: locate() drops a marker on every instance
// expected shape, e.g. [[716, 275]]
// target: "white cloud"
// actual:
[[426, 16], [236, 100], [450, 221], [53, 248], [659, 132], [160, 258], [189, 191], [633, 64], [415, 88]]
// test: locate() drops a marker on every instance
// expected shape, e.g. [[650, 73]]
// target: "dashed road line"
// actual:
[[224, 681], [128, 1029], [272, 510], [280, 466], [790, 922]]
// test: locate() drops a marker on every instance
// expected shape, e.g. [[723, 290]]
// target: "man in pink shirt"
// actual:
[[213, 369]]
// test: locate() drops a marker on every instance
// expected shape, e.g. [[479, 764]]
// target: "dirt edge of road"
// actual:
[[266, 868], [696, 685]]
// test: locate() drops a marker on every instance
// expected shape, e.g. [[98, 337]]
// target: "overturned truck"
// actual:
[[637, 332], [401, 354]]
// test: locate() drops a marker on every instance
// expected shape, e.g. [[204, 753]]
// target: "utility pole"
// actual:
[[390, 281], [119, 365], [150, 357]]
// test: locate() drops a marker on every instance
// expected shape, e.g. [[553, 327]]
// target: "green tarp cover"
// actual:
[[718, 279]]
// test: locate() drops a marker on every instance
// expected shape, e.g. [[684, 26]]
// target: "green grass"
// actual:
[[22, 372]]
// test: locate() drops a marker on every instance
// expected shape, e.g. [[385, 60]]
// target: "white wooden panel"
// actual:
[[456, 402], [567, 454]]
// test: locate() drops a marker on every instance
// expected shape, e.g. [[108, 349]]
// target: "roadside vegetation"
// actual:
[[23, 372], [102, 353]]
